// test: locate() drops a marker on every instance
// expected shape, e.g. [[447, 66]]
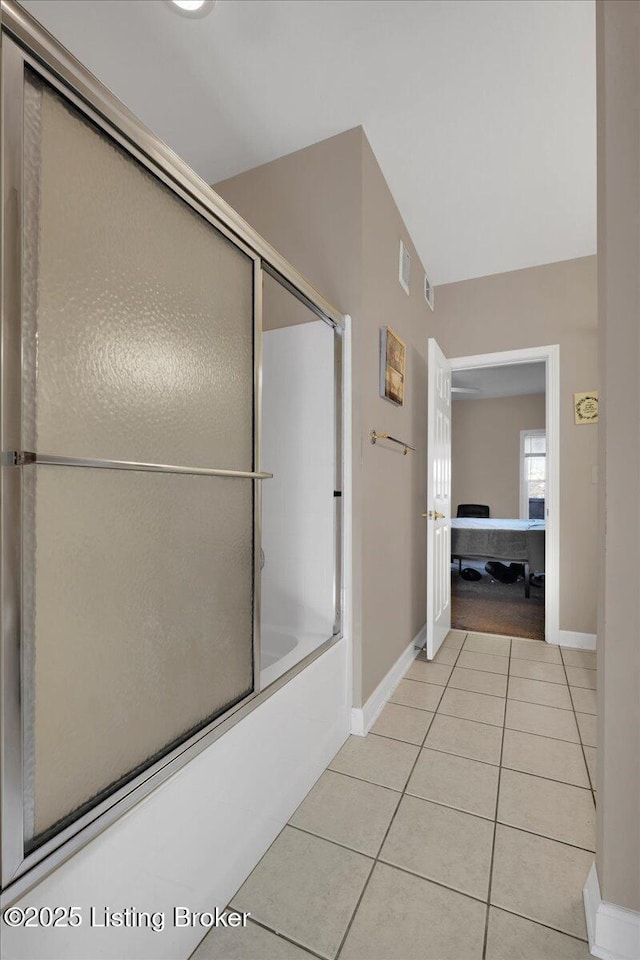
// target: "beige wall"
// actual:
[[485, 450], [328, 210], [618, 773], [393, 486], [309, 206], [554, 303]]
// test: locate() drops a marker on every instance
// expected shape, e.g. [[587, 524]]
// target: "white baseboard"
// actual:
[[571, 638], [363, 718], [614, 932]]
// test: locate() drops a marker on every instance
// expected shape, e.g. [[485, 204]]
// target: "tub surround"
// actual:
[[298, 505], [194, 840]]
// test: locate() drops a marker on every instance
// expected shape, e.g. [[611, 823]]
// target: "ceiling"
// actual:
[[489, 383], [481, 112]]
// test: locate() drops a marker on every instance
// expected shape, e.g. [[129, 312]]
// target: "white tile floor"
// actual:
[[462, 826]]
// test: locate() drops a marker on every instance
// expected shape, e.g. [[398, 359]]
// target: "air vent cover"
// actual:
[[404, 267], [428, 291]]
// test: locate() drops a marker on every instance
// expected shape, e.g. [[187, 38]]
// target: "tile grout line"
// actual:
[[535, 704], [497, 696], [506, 698], [500, 768], [283, 936], [495, 823], [446, 806], [431, 683], [536, 659], [493, 673], [481, 693], [454, 716], [544, 736], [403, 793], [496, 726], [439, 803], [352, 776], [545, 836], [336, 843], [540, 923], [422, 747], [573, 706], [407, 705], [528, 773], [279, 834], [436, 883], [411, 873], [559, 683]]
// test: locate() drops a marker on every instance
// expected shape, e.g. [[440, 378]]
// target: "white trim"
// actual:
[[439, 408], [363, 718], [551, 356], [347, 505], [582, 641], [524, 491], [614, 932]]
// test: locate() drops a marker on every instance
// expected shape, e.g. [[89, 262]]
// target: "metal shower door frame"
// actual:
[[25, 44]]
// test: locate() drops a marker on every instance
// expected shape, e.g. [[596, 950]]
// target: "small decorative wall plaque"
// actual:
[[585, 406], [392, 366]]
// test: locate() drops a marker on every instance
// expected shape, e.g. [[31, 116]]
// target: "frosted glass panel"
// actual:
[[139, 321], [298, 505], [137, 620], [142, 619]]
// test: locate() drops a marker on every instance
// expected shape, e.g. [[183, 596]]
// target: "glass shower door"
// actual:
[[300, 533], [130, 426], [138, 558]]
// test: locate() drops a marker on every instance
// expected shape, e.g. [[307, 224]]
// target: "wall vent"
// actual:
[[428, 291], [404, 267]]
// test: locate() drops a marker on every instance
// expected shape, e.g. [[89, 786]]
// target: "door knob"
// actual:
[[433, 515]]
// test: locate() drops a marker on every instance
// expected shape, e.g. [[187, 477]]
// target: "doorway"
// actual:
[[542, 362], [498, 460], [519, 370]]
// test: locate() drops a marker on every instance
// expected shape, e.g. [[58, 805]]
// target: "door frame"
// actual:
[[435, 355], [551, 356]]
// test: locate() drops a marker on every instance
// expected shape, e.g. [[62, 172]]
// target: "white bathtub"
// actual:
[[282, 648], [274, 645]]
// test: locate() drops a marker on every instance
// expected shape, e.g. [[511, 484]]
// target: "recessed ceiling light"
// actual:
[[193, 8]]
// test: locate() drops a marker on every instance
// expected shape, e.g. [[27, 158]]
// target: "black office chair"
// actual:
[[471, 510]]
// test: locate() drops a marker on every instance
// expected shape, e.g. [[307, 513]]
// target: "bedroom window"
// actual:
[[533, 474]]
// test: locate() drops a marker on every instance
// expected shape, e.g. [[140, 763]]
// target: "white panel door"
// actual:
[[438, 516]]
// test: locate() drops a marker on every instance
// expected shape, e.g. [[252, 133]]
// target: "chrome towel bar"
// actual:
[[373, 436], [23, 458]]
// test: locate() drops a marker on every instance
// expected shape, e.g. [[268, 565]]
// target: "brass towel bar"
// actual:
[[373, 436]]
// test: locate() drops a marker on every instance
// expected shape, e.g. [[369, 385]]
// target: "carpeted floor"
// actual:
[[488, 606]]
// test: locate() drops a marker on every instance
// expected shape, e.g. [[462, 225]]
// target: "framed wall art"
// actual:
[[392, 366], [585, 407]]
